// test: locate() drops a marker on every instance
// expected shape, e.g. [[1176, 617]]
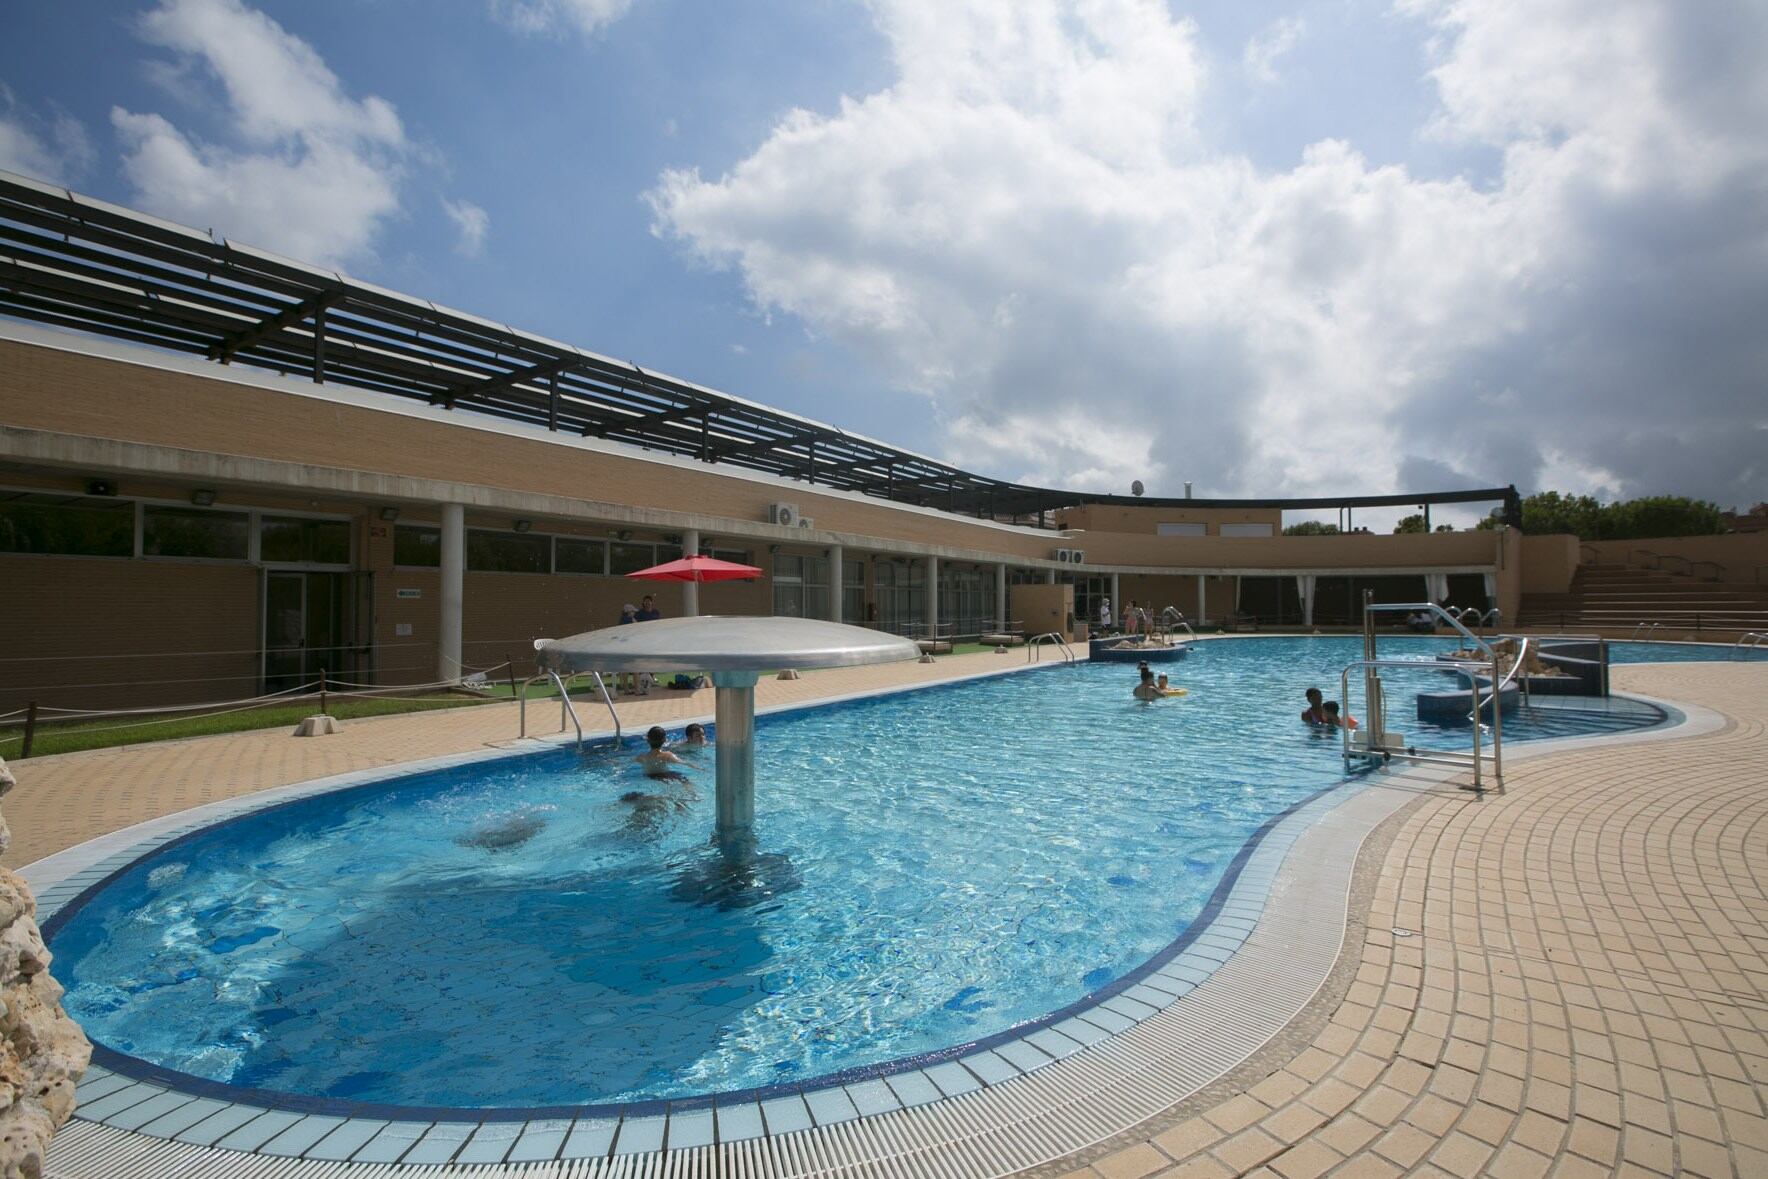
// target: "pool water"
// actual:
[[1648, 652], [932, 868]]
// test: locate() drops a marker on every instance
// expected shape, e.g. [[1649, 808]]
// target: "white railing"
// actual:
[[1034, 648], [1749, 641]]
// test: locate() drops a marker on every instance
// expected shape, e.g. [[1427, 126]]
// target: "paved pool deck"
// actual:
[[1568, 978]]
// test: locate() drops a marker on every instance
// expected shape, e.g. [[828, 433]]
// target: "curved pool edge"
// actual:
[[1252, 960]]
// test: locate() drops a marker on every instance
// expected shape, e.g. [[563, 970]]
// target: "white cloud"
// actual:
[[56, 149], [1269, 45], [470, 223], [1029, 227], [585, 17], [307, 169]]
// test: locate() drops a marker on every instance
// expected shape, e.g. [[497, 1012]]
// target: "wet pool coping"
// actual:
[[1247, 965]]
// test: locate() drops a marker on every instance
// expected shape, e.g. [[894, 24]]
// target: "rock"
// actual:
[[42, 1051]]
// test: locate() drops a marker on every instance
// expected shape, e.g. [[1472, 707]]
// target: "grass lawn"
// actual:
[[103, 732]]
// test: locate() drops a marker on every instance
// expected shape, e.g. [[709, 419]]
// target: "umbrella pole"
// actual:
[[735, 745]]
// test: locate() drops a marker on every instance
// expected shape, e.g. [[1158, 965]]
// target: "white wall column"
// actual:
[[690, 590], [1304, 588], [1049, 577], [933, 597], [1116, 602], [837, 583], [1001, 598], [1202, 600], [454, 565]]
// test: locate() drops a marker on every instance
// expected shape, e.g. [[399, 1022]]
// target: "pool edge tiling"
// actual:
[[1079, 1078]]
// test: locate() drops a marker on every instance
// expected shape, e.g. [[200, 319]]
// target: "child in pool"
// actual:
[[694, 736], [1334, 720], [656, 761]]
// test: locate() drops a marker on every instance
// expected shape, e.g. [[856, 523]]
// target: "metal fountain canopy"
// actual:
[[735, 651]]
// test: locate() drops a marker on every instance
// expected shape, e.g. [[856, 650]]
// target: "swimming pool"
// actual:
[[935, 867], [1653, 652]]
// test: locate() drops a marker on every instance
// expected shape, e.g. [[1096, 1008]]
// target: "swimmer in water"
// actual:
[[694, 736], [1334, 720], [657, 761], [1146, 690], [512, 832]]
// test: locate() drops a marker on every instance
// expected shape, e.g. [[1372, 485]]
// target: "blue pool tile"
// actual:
[[1188, 971], [913, 1088], [118, 1100], [345, 1140], [489, 1143], [301, 1137], [258, 1131], [740, 1120], [830, 1106], [140, 1114], [1080, 1031], [1106, 1020], [1152, 996], [692, 1128], [786, 1114], [589, 1139], [219, 1125], [952, 1078], [391, 1142], [991, 1068], [96, 1083], [1172, 983], [872, 1098], [539, 1141], [640, 1135], [183, 1118], [1054, 1042], [1023, 1054], [1128, 1007], [439, 1143]]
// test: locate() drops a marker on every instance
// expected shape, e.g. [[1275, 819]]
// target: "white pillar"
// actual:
[[1116, 602], [1049, 577], [1001, 598], [690, 590], [933, 597], [837, 584], [454, 564], [1202, 600], [1304, 585]]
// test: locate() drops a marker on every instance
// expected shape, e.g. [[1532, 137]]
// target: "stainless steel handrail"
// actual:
[[1178, 620], [565, 706], [1432, 608], [1474, 760], [1750, 640], [1034, 653], [1647, 627]]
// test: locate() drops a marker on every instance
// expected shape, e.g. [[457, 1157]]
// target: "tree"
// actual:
[[1311, 528], [1412, 523], [1549, 512], [1445, 528]]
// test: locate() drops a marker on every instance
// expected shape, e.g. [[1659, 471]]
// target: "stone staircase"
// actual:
[[1617, 598]]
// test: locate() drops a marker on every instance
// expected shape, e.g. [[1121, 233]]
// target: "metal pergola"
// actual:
[[76, 262]]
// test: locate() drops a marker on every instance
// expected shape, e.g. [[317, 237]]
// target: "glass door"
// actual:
[[305, 624]]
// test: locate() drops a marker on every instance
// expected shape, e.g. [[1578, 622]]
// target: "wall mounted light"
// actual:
[[623, 534], [389, 514], [524, 525], [202, 498], [100, 487]]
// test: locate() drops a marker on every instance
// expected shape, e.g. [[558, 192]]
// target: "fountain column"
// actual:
[[735, 745]]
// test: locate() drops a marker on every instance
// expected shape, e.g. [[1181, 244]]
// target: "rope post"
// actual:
[[30, 730], [322, 678]]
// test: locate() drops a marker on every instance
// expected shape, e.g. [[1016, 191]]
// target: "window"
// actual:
[[734, 556], [1178, 530], [71, 525], [572, 555], [195, 533], [302, 541], [801, 586], [853, 590], [625, 557], [417, 546], [507, 552]]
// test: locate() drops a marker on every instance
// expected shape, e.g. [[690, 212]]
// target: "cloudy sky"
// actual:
[[1347, 246]]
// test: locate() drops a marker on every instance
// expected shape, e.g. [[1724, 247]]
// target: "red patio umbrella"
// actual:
[[697, 568]]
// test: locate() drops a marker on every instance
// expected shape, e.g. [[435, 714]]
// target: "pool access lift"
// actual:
[[1374, 743]]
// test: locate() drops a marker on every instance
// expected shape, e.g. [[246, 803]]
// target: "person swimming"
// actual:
[[1314, 714], [504, 835], [656, 761], [1334, 720], [1147, 689], [694, 736]]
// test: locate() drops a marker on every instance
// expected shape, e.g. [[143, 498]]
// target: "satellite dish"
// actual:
[[1136, 487]]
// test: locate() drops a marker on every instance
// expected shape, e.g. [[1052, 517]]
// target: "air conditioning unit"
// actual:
[[785, 515], [1077, 556], [806, 522], [1063, 556]]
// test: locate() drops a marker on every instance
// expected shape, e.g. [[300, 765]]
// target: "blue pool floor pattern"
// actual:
[[513, 1137], [1042, 1045]]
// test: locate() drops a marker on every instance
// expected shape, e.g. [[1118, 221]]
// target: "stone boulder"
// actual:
[[42, 1051]]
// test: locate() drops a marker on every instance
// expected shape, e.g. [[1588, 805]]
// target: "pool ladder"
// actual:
[[566, 707], [1034, 650], [1749, 641]]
